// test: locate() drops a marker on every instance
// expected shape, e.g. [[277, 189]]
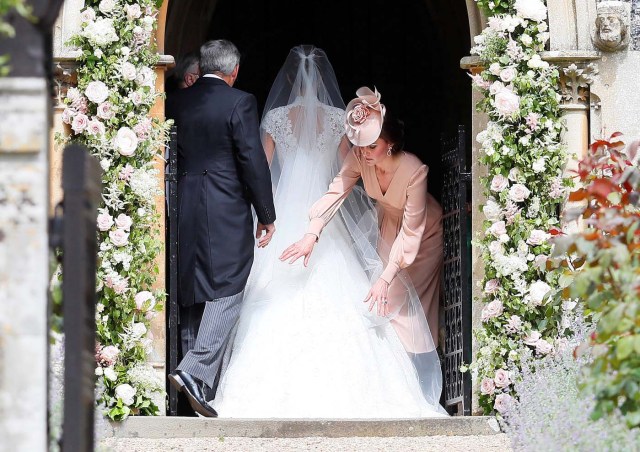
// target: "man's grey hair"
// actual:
[[188, 63], [219, 56]]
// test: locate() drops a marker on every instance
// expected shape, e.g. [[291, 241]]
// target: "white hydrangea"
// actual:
[[101, 32]]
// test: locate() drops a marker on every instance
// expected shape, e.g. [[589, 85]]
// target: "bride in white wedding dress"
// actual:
[[306, 344]]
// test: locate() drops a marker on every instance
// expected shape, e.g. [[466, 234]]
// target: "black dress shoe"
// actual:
[[192, 388]]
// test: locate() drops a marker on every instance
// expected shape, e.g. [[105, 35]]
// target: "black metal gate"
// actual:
[[457, 273], [171, 234]]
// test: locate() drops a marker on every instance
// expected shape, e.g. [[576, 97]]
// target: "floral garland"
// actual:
[[108, 112], [524, 189]]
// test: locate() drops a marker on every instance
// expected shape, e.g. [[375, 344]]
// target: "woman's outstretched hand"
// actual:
[[379, 295], [302, 247]]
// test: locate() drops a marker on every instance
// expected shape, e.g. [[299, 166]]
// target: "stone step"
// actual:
[[191, 427]]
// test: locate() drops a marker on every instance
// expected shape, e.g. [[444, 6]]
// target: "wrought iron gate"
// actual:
[[173, 336], [457, 273]]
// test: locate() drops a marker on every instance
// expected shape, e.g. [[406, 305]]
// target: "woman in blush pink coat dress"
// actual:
[[409, 218]]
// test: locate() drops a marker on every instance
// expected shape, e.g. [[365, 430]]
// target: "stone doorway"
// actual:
[[409, 50]]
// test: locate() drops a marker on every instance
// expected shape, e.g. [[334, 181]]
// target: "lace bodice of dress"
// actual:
[[278, 124]]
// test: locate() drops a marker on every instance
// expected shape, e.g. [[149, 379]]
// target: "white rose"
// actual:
[[499, 183], [487, 386], [148, 23], [535, 62], [146, 77], [498, 228], [124, 221], [133, 11], [537, 237], [543, 347], [128, 71], [105, 111], [105, 221], [531, 9], [67, 115], [514, 175], [492, 210], [507, 103], [518, 193], [539, 165], [495, 69], [508, 74], [532, 338], [526, 40], [99, 371], [482, 137], [106, 6], [540, 262], [98, 53], [97, 92], [126, 393], [89, 15], [542, 26], [145, 301], [538, 290], [138, 329], [110, 374], [502, 378], [126, 141], [491, 286], [119, 237], [491, 310], [79, 123], [503, 403]]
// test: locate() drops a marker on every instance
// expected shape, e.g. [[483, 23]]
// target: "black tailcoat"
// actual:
[[222, 172]]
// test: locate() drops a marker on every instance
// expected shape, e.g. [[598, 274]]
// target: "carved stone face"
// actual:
[[610, 28]]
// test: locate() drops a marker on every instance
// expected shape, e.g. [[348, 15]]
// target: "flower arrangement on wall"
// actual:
[[109, 113], [524, 188]]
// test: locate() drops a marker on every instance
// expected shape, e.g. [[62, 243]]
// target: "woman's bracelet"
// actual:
[[315, 235]]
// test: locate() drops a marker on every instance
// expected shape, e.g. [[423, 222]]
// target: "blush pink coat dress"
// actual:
[[411, 236]]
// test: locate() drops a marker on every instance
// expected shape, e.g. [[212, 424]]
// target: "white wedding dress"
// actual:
[[306, 345]]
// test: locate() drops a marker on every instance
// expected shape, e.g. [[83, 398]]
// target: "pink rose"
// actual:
[[508, 74], [79, 123], [491, 286], [128, 71], [359, 114], [145, 301], [487, 386], [503, 403], [532, 120], [537, 237], [136, 98], [541, 261], [496, 87], [108, 355], [95, 128], [502, 379], [491, 310], [119, 237], [499, 183], [507, 103], [133, 11], [498, 228], [67, 115], [533, 338], [105, 221], [105, 111], [124, 222], [514, 324], [518, 193], [88, 15], [543, 347], [120, 286]]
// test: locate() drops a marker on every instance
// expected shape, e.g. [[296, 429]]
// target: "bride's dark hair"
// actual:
[[393, 132]]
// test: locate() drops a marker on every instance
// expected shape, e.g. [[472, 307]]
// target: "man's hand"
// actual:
[[268, 230]]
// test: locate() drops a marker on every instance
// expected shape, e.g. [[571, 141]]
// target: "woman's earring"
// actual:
[[389, 151]]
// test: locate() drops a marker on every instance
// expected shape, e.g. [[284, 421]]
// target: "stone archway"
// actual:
[[433, 97]]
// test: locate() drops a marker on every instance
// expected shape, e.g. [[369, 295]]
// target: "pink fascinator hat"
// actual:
[[365, 115]]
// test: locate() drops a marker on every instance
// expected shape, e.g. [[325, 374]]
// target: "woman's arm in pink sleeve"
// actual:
[[407, 244], [326, 207]]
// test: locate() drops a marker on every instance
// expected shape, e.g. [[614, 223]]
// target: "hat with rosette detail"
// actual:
[[364, 117]]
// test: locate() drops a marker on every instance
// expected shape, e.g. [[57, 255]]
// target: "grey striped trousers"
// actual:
[[208, 355]]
